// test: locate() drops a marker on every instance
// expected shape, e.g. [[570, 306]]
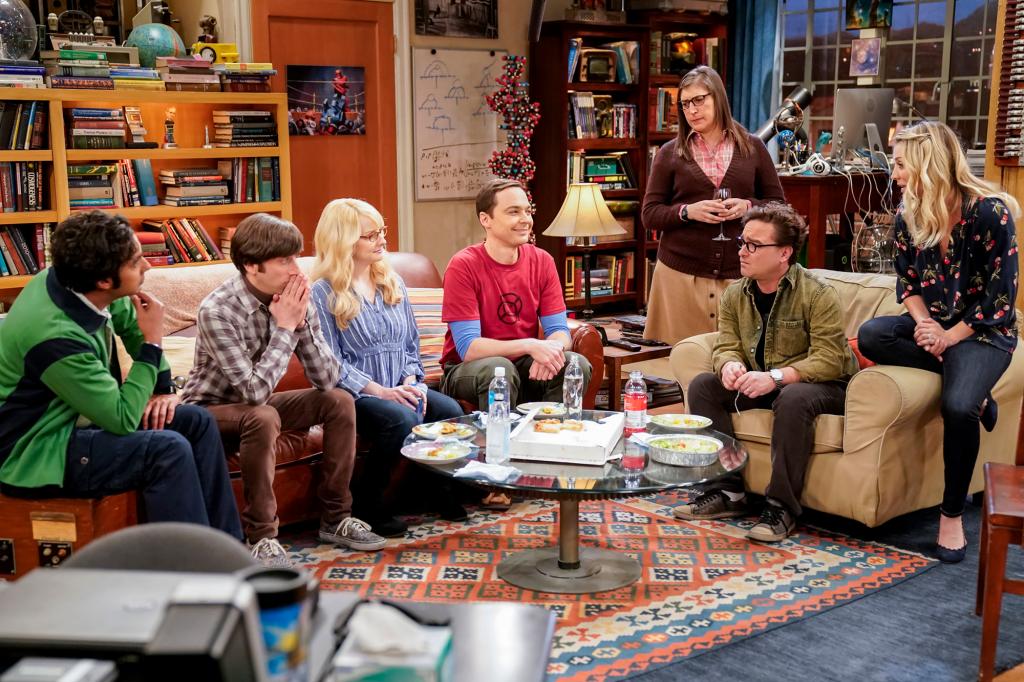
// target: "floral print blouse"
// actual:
[[976, 281]]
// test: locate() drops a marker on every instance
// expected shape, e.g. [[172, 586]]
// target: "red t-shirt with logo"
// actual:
[[508, 300]]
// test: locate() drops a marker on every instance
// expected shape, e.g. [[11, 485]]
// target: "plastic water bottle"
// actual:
[[635, 401], [572, 389], [497, 419]]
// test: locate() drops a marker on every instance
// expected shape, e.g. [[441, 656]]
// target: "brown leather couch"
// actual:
[[298, 452]]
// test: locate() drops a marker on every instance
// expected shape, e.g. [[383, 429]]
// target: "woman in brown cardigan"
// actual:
[[712, 151]]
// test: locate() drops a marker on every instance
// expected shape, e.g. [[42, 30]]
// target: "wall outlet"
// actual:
[[54, 553], [6, 556]]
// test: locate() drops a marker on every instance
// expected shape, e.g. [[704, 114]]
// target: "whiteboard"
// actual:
[[455, 132]]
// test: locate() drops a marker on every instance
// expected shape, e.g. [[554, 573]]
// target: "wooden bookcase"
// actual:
[[549, 85], [193, 115]]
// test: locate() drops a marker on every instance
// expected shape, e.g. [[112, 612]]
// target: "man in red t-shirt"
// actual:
[[497, 296]]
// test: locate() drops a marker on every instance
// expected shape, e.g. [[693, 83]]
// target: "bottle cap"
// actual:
[[499, 371], [636, 374]]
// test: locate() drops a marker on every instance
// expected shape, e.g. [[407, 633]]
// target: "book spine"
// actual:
[[38, 140], [11, 253], [6, 263], [276, 165], [24, 251]]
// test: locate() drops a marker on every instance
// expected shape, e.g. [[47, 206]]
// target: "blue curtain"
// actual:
[[752, 29]]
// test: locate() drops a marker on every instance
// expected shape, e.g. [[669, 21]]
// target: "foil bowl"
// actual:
[[685, 450]]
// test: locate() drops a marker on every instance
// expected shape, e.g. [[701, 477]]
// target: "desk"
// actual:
[[615, 358], [815, 196]]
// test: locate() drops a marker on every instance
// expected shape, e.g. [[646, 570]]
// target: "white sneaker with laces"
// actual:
[[270, 553], [352, 533]]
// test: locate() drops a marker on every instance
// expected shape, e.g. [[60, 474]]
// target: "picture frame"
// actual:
[[862, 14], [865, 54]]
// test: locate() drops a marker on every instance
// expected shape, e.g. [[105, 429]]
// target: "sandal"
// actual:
[[496, 502]]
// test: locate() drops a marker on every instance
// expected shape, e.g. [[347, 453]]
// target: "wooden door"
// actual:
[[336, 33]]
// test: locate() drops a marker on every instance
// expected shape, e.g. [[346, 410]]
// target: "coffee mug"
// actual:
[[285, 597]]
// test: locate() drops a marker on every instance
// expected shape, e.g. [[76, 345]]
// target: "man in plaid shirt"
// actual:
[[248, 329]]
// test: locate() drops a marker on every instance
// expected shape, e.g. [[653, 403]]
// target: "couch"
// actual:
[[298, 452], [883, 457]]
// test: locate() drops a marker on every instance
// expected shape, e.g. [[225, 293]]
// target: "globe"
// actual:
[[17, 30], [155, 40]]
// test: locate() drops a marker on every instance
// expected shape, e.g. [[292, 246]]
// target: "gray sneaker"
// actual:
[[776, 524], [714, 504], [270, 553], [352, 533]]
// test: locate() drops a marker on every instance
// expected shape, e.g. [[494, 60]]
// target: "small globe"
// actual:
[[17, 30], [155, 40]]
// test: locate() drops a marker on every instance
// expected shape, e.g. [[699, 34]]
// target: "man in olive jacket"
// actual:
[[780, 345]]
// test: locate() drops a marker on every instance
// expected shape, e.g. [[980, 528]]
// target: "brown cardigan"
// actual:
[[688, 246]]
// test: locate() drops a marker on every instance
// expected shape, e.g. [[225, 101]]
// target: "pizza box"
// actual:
[[593, 445]]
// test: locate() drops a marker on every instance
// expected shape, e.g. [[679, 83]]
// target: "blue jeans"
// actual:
[[969, 371], [180, 471], [387, 424]]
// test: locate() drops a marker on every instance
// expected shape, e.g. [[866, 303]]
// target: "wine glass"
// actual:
[[722, 193]]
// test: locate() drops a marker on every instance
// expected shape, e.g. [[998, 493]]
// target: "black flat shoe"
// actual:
[[950, 556], [452, 512], [388, 526], [989, 414]]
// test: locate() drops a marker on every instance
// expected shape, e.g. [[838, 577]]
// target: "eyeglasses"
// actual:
[[375, 235], [697, 102], [752, 247]]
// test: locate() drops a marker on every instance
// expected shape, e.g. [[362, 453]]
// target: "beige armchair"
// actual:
[[883, 458]]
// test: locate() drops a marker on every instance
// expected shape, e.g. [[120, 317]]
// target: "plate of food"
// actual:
[[680, 422], [688, 450], [556, 425], [444, 430], [544, 409], [434, 452]]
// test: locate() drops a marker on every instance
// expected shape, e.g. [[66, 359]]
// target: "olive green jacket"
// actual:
[[805, 329]]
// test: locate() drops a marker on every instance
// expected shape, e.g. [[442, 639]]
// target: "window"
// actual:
[[938, 58]]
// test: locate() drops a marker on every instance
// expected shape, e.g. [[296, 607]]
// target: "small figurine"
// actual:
[[97, 26], [52, 22], [206, 138], [169, 115], [208, 26]]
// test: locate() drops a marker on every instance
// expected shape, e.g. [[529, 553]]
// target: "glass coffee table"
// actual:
[[569, 568]]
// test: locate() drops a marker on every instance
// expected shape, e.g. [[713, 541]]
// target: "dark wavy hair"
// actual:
[[90, 247], [790, 228], [262, 237]]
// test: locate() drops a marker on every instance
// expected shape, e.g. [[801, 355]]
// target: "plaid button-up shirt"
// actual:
[[241, 353], [714, 162]]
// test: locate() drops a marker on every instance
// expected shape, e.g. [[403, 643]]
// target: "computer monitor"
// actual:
[[856, 110]]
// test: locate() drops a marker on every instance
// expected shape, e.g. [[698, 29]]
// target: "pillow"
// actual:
[[180, 352], [426, 308], [862, 361]]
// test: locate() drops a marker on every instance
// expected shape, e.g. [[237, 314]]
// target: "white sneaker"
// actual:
[[270, 553], [352, 533]]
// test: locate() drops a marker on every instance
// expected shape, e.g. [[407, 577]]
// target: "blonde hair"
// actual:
[[938, 179], [336, 234], [709, 78]]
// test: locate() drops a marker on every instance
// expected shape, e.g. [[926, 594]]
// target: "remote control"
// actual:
[[651, 342], [624, 345]]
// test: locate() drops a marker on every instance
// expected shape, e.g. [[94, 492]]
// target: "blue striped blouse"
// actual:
[[380, 344]]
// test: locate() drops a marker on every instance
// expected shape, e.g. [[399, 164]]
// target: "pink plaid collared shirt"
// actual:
[[714, 162]]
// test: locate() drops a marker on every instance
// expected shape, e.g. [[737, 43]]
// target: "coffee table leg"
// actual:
[[569, 568]]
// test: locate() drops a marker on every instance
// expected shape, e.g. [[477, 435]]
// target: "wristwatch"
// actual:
[[776, 374], [684, 213]]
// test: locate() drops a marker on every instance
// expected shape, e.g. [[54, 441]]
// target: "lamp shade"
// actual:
[[584, 214]]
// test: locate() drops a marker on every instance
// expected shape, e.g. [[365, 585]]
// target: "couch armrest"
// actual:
[[884, 397], [691, 357], [587, 342]]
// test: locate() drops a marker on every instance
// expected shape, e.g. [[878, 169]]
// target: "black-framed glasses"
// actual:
[[375, 235], [697, 101], [752, 247]]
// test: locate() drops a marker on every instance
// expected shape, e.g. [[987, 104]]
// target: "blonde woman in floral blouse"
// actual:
[[956, 268]]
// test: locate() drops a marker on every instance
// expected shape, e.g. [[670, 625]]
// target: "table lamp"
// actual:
[[584, 214]]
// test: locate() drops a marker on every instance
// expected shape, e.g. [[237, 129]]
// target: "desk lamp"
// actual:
[[583, 215]]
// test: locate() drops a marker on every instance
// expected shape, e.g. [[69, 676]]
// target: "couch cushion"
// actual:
[[426, 307], [863, 295], [180, 352], [756, 426]]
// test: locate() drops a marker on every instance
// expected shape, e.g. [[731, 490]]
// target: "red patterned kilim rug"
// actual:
[[703, 584]]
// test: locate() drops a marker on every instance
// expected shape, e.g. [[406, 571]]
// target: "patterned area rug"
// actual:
[[703, 584]]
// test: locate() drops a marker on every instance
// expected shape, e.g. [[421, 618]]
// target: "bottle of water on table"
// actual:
[[497, 419], [572, 389]]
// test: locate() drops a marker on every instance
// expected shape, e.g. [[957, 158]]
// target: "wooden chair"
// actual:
[[1002, 523]]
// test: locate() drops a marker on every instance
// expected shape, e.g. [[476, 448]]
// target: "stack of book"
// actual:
[[194, 187], [186, 239], [21, 249], [188, 73], [662, 102], [136, 186], [244, 128], [154, 248], [21, 73], [245, 76], [23, 125], [92, 186], [93, 128], [136, 78], [257, 179], [612, 170], [80, 69], [226, 233], [21, 186]]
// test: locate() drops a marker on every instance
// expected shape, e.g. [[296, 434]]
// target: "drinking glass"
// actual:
[[722, 193]]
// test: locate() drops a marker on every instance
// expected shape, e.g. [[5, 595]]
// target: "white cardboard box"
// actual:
[[593, 445]]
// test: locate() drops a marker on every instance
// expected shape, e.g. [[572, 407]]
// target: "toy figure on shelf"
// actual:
[[169, 115], [208, 26]]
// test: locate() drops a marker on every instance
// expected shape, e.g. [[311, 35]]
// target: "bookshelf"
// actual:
[[554, 142], [194, 114]]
